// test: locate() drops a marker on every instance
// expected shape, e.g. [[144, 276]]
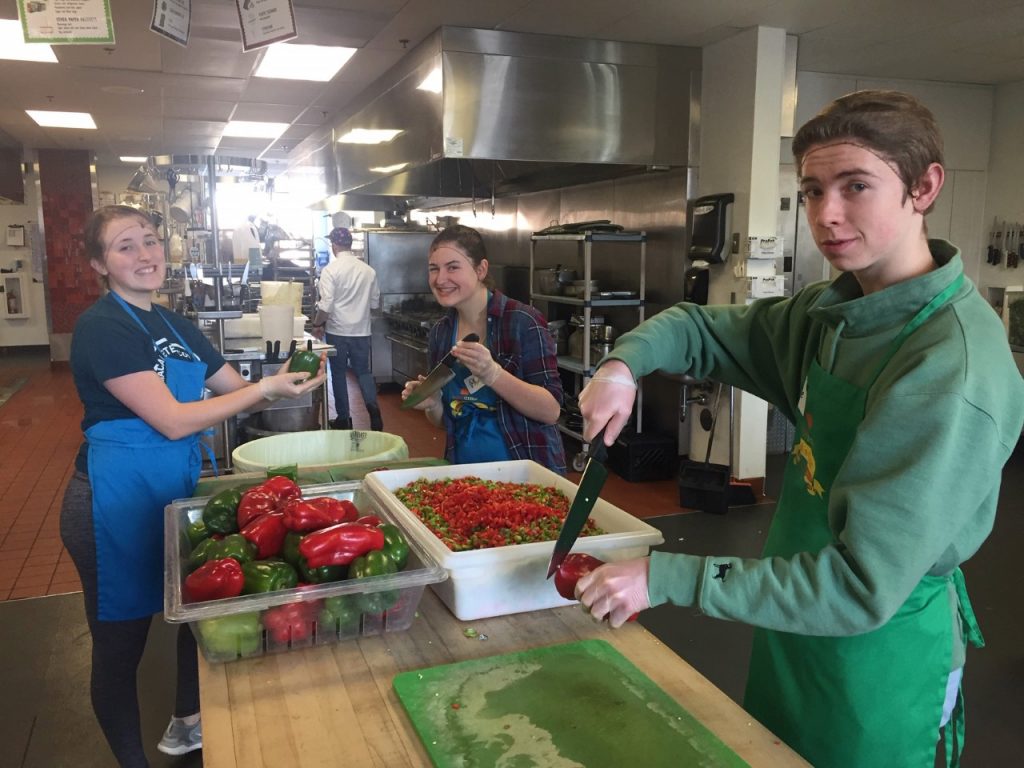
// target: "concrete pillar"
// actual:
[[742, 90]]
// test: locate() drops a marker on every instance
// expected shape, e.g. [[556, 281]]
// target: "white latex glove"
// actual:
[[615, 591], [607, 400], [290, 385], [477, 358]]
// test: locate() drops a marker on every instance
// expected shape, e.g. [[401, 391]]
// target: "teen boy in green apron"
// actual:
[[907, 404]]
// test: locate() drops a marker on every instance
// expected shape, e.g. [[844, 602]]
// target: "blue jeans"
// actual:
[[354, 353]]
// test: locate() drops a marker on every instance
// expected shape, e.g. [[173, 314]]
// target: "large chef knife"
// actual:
[[594, 475], [437, 378]]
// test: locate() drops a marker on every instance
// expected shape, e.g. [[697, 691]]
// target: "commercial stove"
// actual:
[[408, 327]]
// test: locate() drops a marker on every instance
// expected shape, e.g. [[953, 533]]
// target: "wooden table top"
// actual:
[[334, 705]]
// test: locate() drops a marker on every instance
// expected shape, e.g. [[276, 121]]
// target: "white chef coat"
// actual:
[[244, 238], [348, 291]]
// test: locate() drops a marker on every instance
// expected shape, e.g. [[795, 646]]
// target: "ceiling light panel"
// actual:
[[249, 129], [14, 47], [48, 119], [369, 136], [288, 61]]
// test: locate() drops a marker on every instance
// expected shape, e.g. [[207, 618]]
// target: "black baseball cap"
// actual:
[[340, 236]]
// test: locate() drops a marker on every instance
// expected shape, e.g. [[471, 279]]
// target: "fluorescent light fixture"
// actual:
[[369, 136], [13, 45], [389, 168], [431, 82], [288, 61], [254, 130], [133, 159], [48, 119]]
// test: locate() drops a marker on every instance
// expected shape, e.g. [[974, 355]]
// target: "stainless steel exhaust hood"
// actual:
[[474, 113]]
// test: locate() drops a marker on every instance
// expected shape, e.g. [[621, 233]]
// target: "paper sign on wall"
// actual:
[[68, 22], [264, 22], [172, 19], [15, 235]]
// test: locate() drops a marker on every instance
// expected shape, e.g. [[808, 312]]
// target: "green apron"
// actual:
[[874, 699]]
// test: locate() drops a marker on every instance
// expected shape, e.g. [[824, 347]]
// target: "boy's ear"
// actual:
[[928, 187]]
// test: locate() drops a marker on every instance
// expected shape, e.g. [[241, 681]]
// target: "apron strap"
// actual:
[[953, 731], [967, 618]]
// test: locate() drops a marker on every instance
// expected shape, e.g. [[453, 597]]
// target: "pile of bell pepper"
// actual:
[[267, 538]]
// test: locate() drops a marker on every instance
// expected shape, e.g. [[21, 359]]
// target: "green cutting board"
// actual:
[[577, 704]]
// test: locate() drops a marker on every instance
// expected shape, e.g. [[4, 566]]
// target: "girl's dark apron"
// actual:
[[134, 472], [873, 699]]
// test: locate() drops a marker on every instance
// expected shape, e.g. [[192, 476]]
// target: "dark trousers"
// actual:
[[352, 352], [117, 646]]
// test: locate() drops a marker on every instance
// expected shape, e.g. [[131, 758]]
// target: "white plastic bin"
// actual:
[[511, 579], [318, 448]]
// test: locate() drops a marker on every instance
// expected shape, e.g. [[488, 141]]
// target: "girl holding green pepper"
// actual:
[[140, 372]]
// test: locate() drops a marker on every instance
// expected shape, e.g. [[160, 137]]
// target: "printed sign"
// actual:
[[264, 22], [172, 19], [68, 22]]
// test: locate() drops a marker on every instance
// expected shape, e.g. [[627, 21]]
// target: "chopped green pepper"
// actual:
[[268, 576], [221, 512], [375, 563]]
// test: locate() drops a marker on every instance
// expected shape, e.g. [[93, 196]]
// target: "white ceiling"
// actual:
[[188, 94]]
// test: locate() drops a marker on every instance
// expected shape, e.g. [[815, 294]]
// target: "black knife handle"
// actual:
[[449, 359], [598, 451]]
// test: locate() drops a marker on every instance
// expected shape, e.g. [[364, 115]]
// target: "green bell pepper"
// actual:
[[340, 614], [221, 512], [375, 563], [290, 550], [291, 471], [228, 637], [395, 545], [196, 532], [268, 576], [201, 553], [234, 545]]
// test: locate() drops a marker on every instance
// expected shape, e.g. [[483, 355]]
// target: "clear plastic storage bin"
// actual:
[[501, 580], [233, 628]]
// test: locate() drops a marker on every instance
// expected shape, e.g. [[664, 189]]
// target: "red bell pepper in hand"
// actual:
[[340, 544], [291, 622], [215, 580], [574, 567], [284, 488], [312, 514], [255, 502], [267, 532]]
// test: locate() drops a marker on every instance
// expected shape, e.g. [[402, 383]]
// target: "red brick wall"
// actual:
[[66, 189]]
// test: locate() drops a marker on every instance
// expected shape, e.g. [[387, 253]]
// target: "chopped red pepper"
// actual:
[[267, 532], [312, 514], [255, 502], [214, 580], [340, 544]]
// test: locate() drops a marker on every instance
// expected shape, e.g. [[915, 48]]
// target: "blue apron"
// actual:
[[135, 472]]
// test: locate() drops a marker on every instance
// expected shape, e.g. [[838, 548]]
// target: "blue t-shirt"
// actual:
[[108, 343]]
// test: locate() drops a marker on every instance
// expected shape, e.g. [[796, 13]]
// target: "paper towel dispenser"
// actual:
[[709, 228]]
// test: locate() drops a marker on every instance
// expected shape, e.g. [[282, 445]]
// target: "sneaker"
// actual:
[[342, 423], [179, 738], [376, 422]]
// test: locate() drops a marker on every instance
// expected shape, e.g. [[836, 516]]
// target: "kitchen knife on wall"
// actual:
[[441, 374], [594, 475]]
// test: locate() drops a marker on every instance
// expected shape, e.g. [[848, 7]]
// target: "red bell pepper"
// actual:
[[574, 567], [291, 622], [284, 488], [371, 520], [215, 580], [255, 502], [267, 532], [340, 544], [312, 514]]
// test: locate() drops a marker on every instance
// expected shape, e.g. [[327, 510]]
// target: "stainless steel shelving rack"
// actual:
[[584, 368]]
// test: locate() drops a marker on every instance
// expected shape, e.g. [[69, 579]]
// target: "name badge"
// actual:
[[473, 384]]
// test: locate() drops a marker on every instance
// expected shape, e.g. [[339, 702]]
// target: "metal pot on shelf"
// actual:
[[547, 282]]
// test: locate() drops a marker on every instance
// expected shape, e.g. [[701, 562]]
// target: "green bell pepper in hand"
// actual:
[[228, 637], [375, 563], [268, 576], [221, 512]]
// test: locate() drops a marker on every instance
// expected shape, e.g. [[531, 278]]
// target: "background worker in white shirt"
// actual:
[[348, 292], [244, 238]]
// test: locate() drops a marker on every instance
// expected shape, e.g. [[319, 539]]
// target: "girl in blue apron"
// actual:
[[907, 405], [140, 372], [505, 398]]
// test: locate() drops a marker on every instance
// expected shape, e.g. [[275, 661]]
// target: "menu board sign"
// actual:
[[264, 22], [67, 22]]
